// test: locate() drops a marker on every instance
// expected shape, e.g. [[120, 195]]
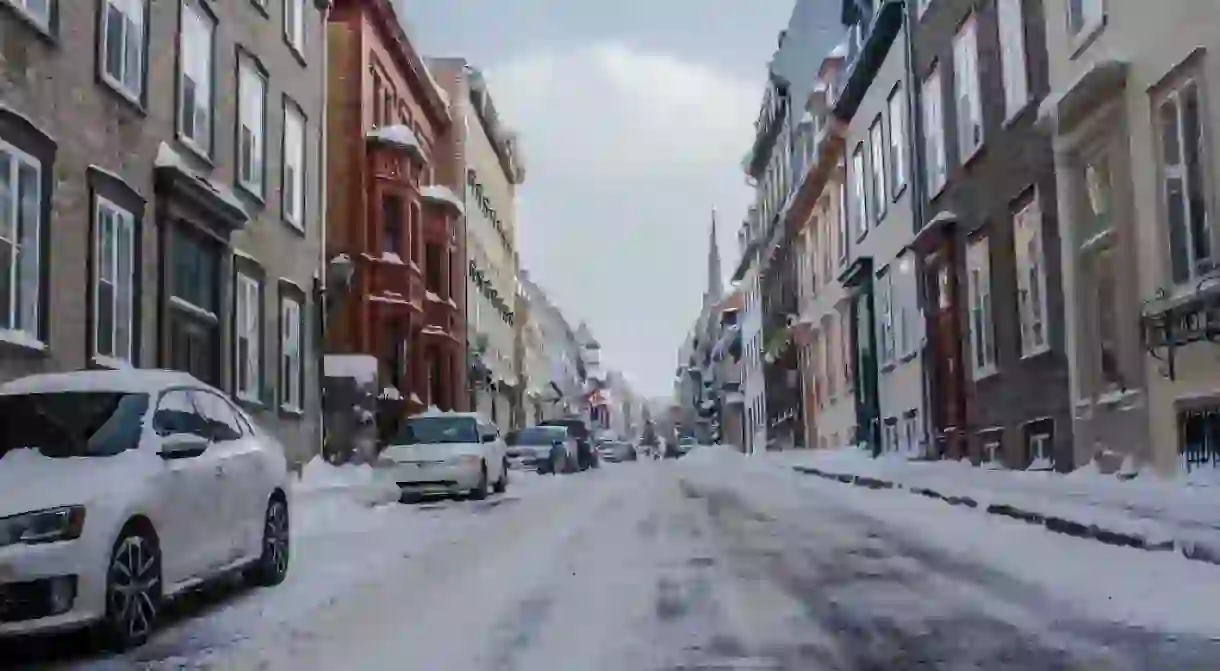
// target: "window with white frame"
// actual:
[[910, 431], [885, 316], [934, 131], [122, 46], [982, 333], [898, 140], [968, 103], [991, 448], [248, 337], [877, 146], [290, 354], [1084, 15], [1012, 55], [196, 44], [20, 241], [252, 124], [294, 24], [840, 238], [1031, 278], [1181, 115], [859, 200], [904, 339], [1039, 449], [37, 10], [113, 281], [293, 191]]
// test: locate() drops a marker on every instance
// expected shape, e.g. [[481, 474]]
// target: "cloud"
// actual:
[[627, 151]]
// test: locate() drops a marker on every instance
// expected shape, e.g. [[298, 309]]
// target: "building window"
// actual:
[[906, 283], [21, 207], [992, 446], [432, 267], [247, 331], [391, 226], [982, 332], [294, 24], [1105, 282], [251, 125], [1012, 56], [194, 322], [933, 131], [885, 316], [910, 431], [122, 46], [859, 200], [38, 11], [898, 141], [1031, 278], [113, 282], [876, 141], [969, 105], [196, 44], [293, 192], [1180, 118], [290, 354], [1099, 287], [840, 238], [1084, 15]]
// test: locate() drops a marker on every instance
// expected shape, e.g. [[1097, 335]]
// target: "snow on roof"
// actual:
[[399, 136], [439, 193], [362, 367], [168, 157], [133, 381]]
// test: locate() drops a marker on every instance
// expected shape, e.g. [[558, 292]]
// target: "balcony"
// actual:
[[393, 284], [771, 119]]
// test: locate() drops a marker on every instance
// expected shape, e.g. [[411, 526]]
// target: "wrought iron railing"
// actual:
[[1199, 438]]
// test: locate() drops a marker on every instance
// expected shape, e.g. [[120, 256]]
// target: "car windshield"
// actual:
[[535, 435], [433, 430], [72, 424]]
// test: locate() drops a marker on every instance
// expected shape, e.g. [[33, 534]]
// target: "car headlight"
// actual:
[[43, 526]]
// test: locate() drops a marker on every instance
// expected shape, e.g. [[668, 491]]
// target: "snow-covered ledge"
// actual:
[[400, 136], [443, 195]]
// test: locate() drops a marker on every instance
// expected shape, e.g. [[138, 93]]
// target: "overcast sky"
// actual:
[[634, 117]]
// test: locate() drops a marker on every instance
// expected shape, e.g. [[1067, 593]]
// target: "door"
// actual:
[[187, 493], [241, 499], [948, 404]]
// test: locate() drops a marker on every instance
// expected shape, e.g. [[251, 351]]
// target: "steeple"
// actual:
[[715, 278]]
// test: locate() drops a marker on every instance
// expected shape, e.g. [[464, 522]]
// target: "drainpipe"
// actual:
[[323, 304], [916, 162]]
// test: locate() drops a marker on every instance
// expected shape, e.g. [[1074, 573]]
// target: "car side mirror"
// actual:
[[182, 446], [489, 438]]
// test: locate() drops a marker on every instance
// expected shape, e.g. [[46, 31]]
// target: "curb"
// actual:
[[1191, 549]]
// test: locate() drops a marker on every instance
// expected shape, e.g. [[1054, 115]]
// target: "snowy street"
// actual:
[[714, 561]]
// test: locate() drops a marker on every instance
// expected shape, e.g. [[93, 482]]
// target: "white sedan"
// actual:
[[119, 490], [447, 453]]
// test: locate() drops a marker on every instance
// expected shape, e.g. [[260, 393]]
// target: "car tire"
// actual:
[[480, 491], [272, 565], [502, 483], [133, 591]]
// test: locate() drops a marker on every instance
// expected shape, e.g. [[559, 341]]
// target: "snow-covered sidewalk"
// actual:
[[1146, 512]]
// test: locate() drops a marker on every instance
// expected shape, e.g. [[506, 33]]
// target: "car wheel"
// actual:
[[480, 492], [272, 565], [502, 484], [133, 591]]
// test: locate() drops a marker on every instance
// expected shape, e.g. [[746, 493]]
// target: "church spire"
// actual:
[[715, 278]]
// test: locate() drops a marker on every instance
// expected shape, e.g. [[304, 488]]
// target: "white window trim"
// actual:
[[294, 30], [859, 193], [203, 144], [885, 316], [1023, 236], [934, 132], [43, 21], [294, 212], [877, 151], [897, 150], [978, 259], [135, 11], [1089, 25], [1014, 63], [247, 317], [1191, 77], [966, 90], [28, 335], [252, 116], [290, 349], [120, 218]]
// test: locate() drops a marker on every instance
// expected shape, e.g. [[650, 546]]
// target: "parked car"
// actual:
[[615, 451], [546, 449], [579, 430], [120, 490], [447, 453]]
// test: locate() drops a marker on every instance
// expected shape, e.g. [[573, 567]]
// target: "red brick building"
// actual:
[[387, 214]]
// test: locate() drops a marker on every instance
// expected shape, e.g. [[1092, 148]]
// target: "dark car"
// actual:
[[586, 457], [539, 448]]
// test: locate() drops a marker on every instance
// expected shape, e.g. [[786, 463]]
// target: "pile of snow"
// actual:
[[360, 483]]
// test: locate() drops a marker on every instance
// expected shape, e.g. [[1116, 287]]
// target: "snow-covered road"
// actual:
[[711, 562]]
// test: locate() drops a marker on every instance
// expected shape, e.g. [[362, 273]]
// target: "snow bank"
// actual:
[[357, 482]]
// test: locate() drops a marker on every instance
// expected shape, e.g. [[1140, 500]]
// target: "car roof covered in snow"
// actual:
[[130, 381]]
